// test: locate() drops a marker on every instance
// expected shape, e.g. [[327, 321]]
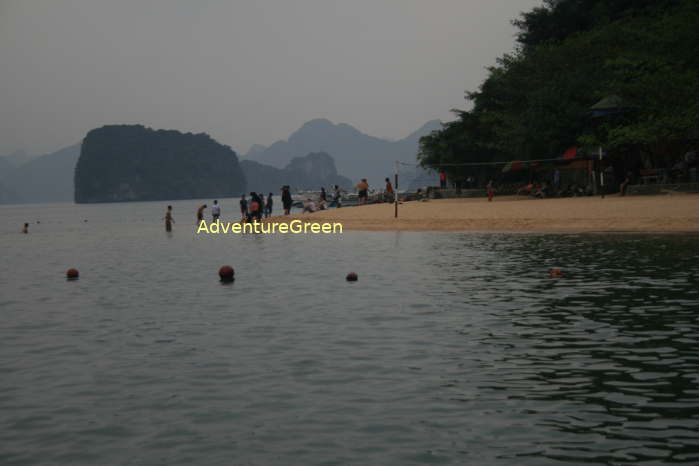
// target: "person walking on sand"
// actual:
[[442, 179], [323, 195], [268, 206], [243, 207], [363, 191], [337, 197], [490, 190], [216, 211], [200, 213], [25, 228], [168, 219], [286, 199], [388, 195]]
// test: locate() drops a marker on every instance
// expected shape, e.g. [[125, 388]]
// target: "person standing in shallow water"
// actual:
[[200, 213], [168, 219], [269, 205], [286, 200], [25, 228], [243, 208], [261, 210], [216, 211], [255, 212], [263, 206]]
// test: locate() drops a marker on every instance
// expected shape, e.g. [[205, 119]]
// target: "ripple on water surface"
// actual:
[[450, 349]]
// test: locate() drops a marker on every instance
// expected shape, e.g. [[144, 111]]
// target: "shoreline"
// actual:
[[511, 214]]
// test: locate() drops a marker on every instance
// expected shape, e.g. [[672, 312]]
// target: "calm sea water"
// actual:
[[450, 349]]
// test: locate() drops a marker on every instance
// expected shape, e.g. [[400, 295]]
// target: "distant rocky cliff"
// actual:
[[134, 163], [312, 171]]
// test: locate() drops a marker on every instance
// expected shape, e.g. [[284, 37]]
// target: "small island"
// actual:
[[122, 163]]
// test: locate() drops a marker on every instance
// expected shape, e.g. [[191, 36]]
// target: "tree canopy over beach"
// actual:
[[570, 55]]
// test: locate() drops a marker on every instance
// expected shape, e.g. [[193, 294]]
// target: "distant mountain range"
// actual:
[[46, 178], [357, 155], [345, 151], [18, 158]]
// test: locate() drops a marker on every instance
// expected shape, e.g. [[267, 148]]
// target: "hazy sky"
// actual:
[[245, 72]]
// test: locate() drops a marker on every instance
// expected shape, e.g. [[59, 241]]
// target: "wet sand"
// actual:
[[666, 213]]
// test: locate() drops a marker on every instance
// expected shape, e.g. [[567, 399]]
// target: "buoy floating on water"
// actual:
[[226, 273], [72, 274], [555, 273], [352, 277]]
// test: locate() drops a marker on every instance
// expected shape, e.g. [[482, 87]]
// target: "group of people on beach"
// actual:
[[310, 206], [255, 208], [388, 195]]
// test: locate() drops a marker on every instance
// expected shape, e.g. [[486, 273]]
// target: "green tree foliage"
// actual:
[[572, 53], [134, 163], [559, 19]]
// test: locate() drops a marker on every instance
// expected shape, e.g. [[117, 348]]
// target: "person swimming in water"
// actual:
[[168, 219]]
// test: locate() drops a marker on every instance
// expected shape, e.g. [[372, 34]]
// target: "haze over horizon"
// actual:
[[244, 72]]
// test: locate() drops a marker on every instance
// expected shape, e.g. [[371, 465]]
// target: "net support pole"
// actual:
[[601, 172], [395, 191]]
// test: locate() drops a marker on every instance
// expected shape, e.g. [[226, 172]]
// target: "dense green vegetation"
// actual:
[[571, 54], [134, 163]]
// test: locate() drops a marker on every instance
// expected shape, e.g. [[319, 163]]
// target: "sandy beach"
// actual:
[[667, 213]]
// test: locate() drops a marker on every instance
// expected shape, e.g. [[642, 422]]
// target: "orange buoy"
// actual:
[[226, 273], [72, 274], [555, 273], [352, 277]]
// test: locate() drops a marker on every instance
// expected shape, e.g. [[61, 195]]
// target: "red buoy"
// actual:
[[555, 273], [352, 277], [226, 273], [72, 274]]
